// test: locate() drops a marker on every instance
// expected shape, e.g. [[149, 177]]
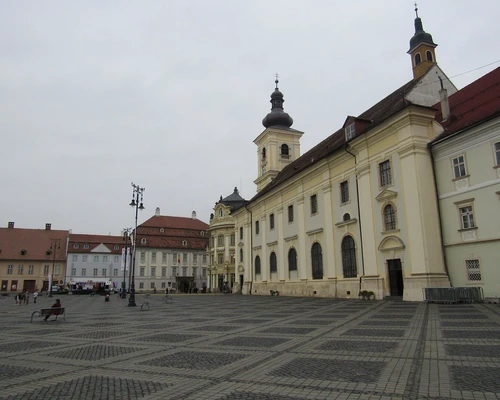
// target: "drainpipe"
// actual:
[[251, 248], [346, 148], [441, 235]]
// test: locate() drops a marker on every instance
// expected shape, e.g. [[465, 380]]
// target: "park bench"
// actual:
[[274, 293], [49, 311]]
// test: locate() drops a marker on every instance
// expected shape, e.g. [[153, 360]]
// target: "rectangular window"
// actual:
[[115, 271], [184, 271], [271, 221], [203, 272], [344, 192], [467, 217], [75, 257], [212, 240], [164, 271], [153, 271], [163, 285], [290, 213], [314, 204], [195, 258], [84, 258], [96, 258], [20, 269], [9, 269], [104, 272], [152, 285], [257, 227], [220, 241], [220, 258], [174, 271], [385, 173], [117, 259], [104, 258], [241, 233], [473, 270], [350, 131], [141, 285], [459, 167], [497, 154], [84, 271], [204, 258], [95, 271], [153, 258], [194, 271], [143, 257], [175, 259], [184, 258], [31, 268], [57, 270], [163, 258], [73, 271], [141, 271], [233, 239]]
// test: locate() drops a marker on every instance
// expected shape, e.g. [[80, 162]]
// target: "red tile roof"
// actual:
[[474, 104], [93, 241], [36, 242], [164, 221]]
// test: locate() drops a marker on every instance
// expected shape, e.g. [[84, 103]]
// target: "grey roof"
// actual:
[[234, 200]]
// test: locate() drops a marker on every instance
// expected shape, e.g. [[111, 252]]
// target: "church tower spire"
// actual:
[[422, 49]]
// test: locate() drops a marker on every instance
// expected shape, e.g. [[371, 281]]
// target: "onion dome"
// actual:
[[277, 117], [420, 35]]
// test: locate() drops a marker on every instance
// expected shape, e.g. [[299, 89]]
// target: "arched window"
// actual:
[[241, 255], [418, 59], [221, 213], [349, 258], [346, 217], [264, 153], [143, 241], [272, 262], [257, 265], [389, 217], [317, 261], [285, 151], [428, 55], [292, 260]]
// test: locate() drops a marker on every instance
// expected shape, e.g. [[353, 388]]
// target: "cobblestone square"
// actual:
[[230, 347]]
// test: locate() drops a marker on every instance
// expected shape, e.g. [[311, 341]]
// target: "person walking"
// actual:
[[57, 304], [35, 295], [26, 298]]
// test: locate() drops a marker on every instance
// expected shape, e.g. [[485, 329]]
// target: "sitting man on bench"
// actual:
[[57, 304]]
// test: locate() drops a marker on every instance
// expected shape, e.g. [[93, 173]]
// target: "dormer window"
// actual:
[[143, 241], [85, 246], [162, 230], [184, 243], [76, 245], [221, 213], [116, 247], [350, 131], [285, 151]]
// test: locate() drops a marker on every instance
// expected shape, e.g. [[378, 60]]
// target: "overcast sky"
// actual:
[[170, 94]]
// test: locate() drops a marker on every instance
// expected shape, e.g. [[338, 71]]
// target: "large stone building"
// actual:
[[356, 212], [94, 260], [171, 253], [222, 250], [467, 165], [32, 259]]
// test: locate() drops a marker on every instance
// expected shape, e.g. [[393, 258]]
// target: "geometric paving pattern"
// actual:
[[25, 346], [397, 333], [93, 388], [466, 350], [259, 396], [194, 360], [11, 371], [474, 334], [288, 330], [359, 346], [331, 370], [252, 342], [94, 353], [475, 379]]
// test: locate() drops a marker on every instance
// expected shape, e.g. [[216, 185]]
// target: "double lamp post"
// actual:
[[137, 194]]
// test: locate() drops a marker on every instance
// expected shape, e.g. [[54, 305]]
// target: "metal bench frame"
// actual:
[[44, 311]]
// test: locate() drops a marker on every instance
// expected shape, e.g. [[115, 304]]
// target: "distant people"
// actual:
[[35, 295], [56, 305], [154, 290], [17, 298], [166, 290], [106, 298], [26, 297]]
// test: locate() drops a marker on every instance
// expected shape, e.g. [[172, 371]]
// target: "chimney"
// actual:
[[445, 104], [48, 226], [11, 225], [157, 212], [193, 215]]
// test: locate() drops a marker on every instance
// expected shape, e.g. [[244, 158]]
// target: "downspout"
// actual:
[[346, 148], [251, 249], [441, 235]]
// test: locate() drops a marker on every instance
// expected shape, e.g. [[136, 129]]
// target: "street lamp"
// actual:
[[126, 236], [54, 245], [136, 192]]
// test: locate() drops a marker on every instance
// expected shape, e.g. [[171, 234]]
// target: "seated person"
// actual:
[[57, 304]]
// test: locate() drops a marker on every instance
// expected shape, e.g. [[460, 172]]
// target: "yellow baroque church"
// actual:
[[356, 213]]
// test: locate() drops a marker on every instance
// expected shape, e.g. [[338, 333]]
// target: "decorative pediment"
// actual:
[[385, 195], [391, 243], [241, 268], [100, 249]]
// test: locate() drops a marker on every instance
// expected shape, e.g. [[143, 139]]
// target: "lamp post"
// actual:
[[126, 236], [54, 245], [137, 192]]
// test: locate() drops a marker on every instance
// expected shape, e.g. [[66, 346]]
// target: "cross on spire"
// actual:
[[276, 81], [416, 9]]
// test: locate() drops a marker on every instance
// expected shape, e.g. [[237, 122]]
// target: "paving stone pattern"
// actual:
[[230, 347]]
